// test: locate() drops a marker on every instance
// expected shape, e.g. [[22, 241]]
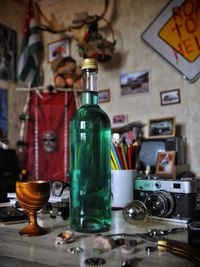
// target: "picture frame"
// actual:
[[8, 53], [60, 47], [165, 163], [170, 97], [104, 95], [134, 83], [162, 127]]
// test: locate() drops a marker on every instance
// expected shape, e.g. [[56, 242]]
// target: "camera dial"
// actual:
[[160, 203]]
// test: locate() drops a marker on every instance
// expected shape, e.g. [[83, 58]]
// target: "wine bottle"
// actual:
[[90, 171]]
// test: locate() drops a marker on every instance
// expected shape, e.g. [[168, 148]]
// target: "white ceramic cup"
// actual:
[[122, 187]]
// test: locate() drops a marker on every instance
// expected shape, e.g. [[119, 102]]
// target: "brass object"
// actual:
[[32, 196], [180, 249]]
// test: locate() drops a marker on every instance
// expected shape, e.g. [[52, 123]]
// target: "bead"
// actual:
[[24, 117]]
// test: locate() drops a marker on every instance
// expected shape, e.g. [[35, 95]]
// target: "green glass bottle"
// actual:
[[90, 140]]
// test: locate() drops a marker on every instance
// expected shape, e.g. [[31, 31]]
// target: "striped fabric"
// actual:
[[31, 51]]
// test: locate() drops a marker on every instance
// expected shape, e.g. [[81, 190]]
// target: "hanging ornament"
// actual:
[[90, 41]]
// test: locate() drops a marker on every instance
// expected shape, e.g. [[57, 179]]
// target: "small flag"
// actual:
[[31, 51]]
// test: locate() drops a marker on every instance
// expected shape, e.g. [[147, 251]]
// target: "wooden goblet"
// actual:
[[32, 196]]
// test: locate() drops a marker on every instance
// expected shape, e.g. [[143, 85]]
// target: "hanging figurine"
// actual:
[[68, 75]]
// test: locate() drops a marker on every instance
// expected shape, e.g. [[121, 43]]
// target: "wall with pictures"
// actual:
[[148, 74], [138, 78]]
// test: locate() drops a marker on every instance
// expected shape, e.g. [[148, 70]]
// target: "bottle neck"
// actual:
[[89, 98], [90, 94]]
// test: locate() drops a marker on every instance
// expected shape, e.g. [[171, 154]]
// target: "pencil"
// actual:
[[116, 156], [124, 156], [119, 156], [136, 150], [130, 153], [113, 166], [114, 160]]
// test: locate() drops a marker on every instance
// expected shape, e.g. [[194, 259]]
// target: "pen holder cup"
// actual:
[[122, 182]]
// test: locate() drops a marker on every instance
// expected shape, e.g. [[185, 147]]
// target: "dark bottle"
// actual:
[[90, 140]]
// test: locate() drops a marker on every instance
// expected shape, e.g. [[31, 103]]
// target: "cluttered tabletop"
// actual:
[[151, 242]]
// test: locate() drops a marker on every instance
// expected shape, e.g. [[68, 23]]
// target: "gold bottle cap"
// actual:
[[89, 63]]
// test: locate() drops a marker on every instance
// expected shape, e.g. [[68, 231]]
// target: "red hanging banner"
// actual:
[[47, 153]]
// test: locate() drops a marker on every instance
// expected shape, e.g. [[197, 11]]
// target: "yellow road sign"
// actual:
[[182, 30]]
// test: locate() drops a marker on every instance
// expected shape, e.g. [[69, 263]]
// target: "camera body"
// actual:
[[163, 198]]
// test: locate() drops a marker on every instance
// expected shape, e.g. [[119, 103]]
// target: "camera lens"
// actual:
[[160, 204]]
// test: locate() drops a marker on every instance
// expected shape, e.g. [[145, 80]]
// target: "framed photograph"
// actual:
[[61, 47], [134, 83], [170, 97], [163, 127], [8, 50], [120, 118], [165, 163], [104, 96]]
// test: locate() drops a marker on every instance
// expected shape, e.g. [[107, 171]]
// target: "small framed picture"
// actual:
[[104, 95], [170, 97], [163, 127], [165, 163], [61, 47], [120, 118], [134, 83]]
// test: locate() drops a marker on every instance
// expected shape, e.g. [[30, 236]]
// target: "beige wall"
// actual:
[[129, 19]]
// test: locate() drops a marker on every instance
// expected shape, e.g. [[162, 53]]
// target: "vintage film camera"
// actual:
[[174, 199]]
